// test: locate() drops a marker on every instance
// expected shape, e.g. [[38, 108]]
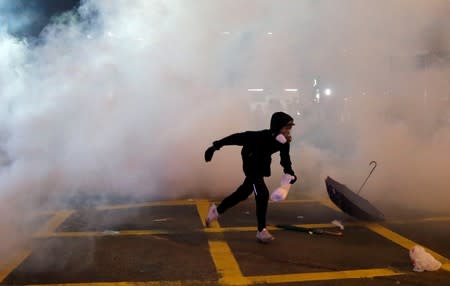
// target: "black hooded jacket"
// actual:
[[258, 147]]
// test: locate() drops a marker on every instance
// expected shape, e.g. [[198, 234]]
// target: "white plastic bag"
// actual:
[[422, 260], [282, 191]]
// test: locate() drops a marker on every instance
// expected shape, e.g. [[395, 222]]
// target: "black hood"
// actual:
[[279, 120]]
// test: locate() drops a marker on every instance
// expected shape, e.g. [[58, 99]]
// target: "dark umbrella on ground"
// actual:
[[350, 202]]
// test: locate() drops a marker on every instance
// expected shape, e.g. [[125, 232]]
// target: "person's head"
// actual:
[[281, 123]]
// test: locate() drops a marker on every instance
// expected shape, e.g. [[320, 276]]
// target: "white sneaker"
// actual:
[[264, 236], [212, 215]]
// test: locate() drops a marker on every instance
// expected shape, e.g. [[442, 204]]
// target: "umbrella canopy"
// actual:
[[351, 203]]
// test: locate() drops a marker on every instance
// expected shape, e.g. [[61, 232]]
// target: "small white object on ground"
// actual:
[[422, 260], [338, 224], [300, 217], [161, 219], [111, 232], [282, 191]]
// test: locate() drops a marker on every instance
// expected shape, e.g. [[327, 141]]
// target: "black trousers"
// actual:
[[250, 185]]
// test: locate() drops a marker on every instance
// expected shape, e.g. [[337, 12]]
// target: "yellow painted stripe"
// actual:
[[148, 204], [435, 219], [57, 219], [272, 228], [213, 229], [295, 201], [15, 261], [224, 261], [182, 203], [428, 219], [202, 210], [101, 233], [147, 283], [401, 240], [226, 264], [318, 276]]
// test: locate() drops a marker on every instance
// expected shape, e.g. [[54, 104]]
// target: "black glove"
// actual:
[[293, 180], [291, 172], [209, 153]]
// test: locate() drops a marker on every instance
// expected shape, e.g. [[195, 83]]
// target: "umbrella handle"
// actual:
[[371, 171]]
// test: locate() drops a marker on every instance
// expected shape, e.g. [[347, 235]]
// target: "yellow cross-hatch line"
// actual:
[[427, 219], [224, 261], [295, 201], [101, 233], [145, 232], [46, 229], [401, 240], [183, 203], [320, 276], [15, 261], [55, 221], [202, 210], [148, 204], [397, 238], [222, 256], [226, 264], [146, 283]]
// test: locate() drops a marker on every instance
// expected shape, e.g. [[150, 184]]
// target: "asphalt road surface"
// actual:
[[166, 243]]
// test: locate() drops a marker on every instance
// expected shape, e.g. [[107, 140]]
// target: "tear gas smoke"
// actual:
[[124, 98]]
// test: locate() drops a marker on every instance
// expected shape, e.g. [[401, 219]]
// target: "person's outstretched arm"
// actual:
[[238, 139]]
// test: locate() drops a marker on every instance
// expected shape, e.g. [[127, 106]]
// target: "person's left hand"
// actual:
[[209, 153], [288, 138]]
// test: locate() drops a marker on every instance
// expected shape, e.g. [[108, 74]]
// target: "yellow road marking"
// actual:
[[15, 261], [435, 219], [272, 228], [49, 227], [224, 261], [147, 283], [317, 276], [226, 264], [101, 233], [202, 210], [401, 240], [295, 201], [148, 204], [213, 229], [181, 203], [55, 221], [427, 219]]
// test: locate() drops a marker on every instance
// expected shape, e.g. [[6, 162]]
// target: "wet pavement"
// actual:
[[166, 243]]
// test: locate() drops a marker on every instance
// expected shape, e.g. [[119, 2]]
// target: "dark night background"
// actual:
[[27, 18]]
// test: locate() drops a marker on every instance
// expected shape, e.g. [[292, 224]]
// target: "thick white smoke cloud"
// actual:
[[126, 96]]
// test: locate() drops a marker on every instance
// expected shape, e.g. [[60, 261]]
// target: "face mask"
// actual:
[[280, 138]]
